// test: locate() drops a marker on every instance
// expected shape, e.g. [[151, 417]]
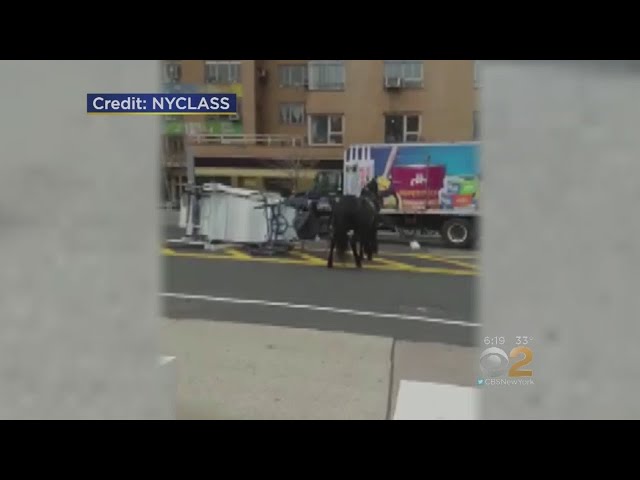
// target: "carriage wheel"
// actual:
[[279, 225]]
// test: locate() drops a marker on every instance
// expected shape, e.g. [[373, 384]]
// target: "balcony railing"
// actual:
[[248, 140], [174, 159]]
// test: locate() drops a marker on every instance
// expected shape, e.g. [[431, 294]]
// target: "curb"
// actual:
[[184, 244]]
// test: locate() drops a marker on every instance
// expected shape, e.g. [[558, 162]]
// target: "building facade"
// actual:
[[297, 116]]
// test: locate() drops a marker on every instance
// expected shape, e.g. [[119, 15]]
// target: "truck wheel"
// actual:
[[457, 232]]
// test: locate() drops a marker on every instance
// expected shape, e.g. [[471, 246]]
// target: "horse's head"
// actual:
[[372, 186], [371, 192]]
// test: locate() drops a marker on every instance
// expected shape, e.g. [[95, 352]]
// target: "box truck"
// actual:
[[424, 186]]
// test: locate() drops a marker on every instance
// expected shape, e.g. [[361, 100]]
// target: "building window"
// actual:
[[326, 129], [476, 125], [293, 75], [292, 113], [476, 74], [221, 72], [402, 128], [171, 71], [326, 75], [410, 72]]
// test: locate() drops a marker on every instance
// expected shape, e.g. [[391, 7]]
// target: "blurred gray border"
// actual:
[[79, 232], [561, 161], [79, 236]]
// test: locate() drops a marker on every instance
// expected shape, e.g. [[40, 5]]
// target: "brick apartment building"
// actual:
[[297, 116]]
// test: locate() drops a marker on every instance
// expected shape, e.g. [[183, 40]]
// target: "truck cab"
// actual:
[[326, 183]]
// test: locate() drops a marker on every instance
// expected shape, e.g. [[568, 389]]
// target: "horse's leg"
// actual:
[[374, 238], [354, 241], [373, 243], [361, 249], [332, 245]]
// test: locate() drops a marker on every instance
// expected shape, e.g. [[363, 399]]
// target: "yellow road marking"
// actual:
[[410, 255], [310, 259], [439, 271], [316, 262], [464, 257], [218, 256], [395, 265], [206, 256], [447, 256], [232, 252], [437, 258]]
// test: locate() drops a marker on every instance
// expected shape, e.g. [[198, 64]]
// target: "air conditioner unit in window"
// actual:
[[393, 82]]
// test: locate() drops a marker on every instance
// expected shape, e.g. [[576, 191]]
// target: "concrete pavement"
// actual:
[[245, 371], [236, 371], [435, 363]]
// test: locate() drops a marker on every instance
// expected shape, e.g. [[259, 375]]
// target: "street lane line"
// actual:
[[317, 308], [410, 254], [314, 263], [309, 259], [205, 256], [446, 260], [463, 257], [435, 401], [248, 258], [235, 253], [447, 255], [395, 265]]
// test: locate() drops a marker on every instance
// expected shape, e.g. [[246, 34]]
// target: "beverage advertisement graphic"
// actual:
[[410, 185], [424, 176]]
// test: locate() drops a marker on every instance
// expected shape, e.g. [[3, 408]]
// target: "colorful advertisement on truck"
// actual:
[[417, 178]]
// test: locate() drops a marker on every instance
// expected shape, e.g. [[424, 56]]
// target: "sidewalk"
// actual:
[[239, 371]]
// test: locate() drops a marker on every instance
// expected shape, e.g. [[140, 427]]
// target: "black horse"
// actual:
[[359, 215]]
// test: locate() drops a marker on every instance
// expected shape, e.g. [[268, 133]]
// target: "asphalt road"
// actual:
[[434, 303], [398, 304]]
